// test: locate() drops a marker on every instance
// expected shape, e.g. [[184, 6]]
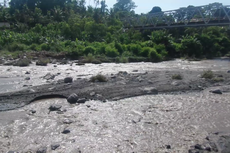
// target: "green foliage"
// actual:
[[177, 77], [45, 47], [190, 46], [98, 78], [77, 30], [111, 52], [145, 51], [207, 74], [89, 50], [154, 56], [16, 47]]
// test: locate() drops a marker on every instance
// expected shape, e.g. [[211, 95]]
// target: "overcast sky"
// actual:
[[144, 6]]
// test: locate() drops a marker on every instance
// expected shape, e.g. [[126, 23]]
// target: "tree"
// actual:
[[155, 9], [124, 5]]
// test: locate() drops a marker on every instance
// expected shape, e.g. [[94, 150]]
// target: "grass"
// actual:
[[177, 77], [218, 79], [207, 74], [98, 78]]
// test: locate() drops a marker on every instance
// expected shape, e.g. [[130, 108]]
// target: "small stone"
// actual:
[[27, 78], [49, 76], [55, 65], [217, 91], [67, 121], [27, 72], [229, 71], [92, 94], [33, 111], [55, 107], [42, 150], [135, 70], [54, 147], [168, 146], [68, 80], [73, 98], [66, 131], [82, 100], [198, 146], [150, 90]]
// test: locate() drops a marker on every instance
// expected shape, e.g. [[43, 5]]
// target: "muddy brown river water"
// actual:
[[167, 122]]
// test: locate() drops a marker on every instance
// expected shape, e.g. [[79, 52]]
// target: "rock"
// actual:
[[67, 121], [66, 131], [123, 73], [92, 94], [27, 72], [135, 70], [33, 111], [55, 65], [150, 90], [55, 146], [229, 71], [49, 76], [42, 150], [55, 107], [73, 98], [198, 146], [82, 100], [27, 78], [217, 91], [168, 147], [68, 80]]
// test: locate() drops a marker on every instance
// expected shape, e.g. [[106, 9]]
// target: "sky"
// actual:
[[144, 6]]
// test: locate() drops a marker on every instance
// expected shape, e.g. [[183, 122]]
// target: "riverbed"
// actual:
[[166, 122]]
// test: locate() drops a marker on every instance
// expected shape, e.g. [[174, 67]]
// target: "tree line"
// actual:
[[71, 27]]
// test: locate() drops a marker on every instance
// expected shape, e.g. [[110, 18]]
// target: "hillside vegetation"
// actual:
[[76, 30]]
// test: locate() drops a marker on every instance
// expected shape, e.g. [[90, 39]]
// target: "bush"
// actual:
[[111, 52], [98, 78], [33, 47], [177, 77], [89, 50], [122, 59], [119, 48], [207, 74], [23, 62], [218, 79], [45, 47], [153, 55], [43, 61], [16, 47], [135, 48], [145, 51]]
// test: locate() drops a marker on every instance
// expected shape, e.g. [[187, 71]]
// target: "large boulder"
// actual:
[[73, 98], [68, 80]]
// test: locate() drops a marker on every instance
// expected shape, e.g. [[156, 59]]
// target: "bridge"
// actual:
[[214, 14]]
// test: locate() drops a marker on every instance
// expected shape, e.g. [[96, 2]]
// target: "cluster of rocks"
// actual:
[[217, 142]]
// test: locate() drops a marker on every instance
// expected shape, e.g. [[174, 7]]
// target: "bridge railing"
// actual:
[[214, 13]]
